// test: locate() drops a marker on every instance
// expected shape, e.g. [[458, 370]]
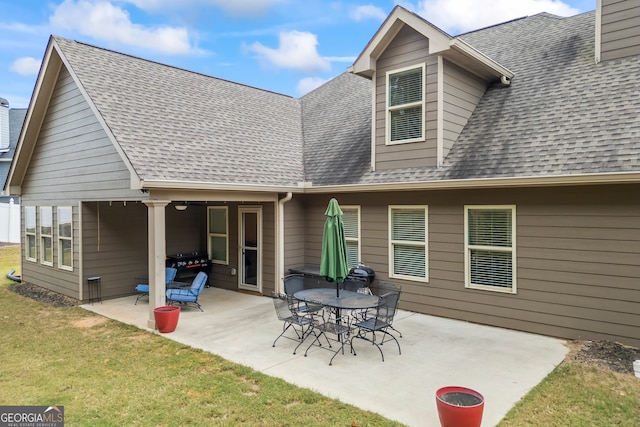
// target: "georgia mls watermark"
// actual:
[[31, 416]]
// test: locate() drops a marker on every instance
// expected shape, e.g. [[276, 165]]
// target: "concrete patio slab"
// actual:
[[503, 365]]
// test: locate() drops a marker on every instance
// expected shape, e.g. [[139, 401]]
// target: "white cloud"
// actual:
[[297, 50], [308, 84], [106, 22], [367, 11], [231, 7], [26, 66], [458, 16]]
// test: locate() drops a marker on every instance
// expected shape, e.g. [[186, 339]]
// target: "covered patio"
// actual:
[[501, 364]]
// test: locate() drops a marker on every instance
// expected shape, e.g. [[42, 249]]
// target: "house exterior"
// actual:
[[494, 175], [11, 120]]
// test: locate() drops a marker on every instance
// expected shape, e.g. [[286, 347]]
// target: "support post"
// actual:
[[157, 249]]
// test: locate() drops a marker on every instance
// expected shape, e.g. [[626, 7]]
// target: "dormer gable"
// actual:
[[426, 84]]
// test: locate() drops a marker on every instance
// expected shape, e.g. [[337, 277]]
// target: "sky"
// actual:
[[285, 46]]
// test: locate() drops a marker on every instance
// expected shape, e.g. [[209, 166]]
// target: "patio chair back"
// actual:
[[301, 324]]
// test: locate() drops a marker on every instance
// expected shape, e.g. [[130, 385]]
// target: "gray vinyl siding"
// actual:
[[407, 49], [578, 274], [114, 242], [74, 159], [294, 234], [462, 92], [620, 33]]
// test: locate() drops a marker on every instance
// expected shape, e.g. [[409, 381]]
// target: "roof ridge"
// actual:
[[170, 66]]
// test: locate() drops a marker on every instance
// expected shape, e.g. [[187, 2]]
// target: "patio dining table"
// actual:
[[347, 300]]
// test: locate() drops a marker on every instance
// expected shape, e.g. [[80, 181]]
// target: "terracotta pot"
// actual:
[[459, 407], [166, 318]]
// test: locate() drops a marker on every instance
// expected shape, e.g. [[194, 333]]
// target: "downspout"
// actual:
[[281, 202]]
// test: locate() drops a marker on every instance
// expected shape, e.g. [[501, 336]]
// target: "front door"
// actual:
[[250, 250]]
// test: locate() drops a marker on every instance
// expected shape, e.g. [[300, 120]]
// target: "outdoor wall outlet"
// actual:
[[233, 271]]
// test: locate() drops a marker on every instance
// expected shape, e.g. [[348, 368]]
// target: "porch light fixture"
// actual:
[[182, 207]]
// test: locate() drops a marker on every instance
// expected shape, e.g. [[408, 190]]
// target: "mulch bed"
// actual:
[[603, 354], [43, 295]]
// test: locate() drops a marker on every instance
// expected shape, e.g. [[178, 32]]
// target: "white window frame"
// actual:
[[43, 235], [350, 238], [62, 239], [422, 243], [224, 235], [469, 248], [30, 219], [421, 104]]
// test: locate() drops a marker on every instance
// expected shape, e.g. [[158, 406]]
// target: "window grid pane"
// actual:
[[490, 227], [406, 123], [408, 225], [409, 260], [491, 268], [405, 87], [66, 253]]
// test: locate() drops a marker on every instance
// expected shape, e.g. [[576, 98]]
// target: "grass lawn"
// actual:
[[106, 373]]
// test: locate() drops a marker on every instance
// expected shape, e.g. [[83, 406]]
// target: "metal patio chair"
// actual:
[[188, 295], [378, 321], [301, 323], [336, 329], [297, 282], [143, 288]]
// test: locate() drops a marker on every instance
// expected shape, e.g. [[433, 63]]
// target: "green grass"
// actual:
[[109, 374], [106, 373]]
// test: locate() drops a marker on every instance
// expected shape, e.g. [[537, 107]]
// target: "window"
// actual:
[[408, 243], [405, 105], [490, 256], [65, 238], [30, 233], [351, 219], [218, 230], [46, 235]]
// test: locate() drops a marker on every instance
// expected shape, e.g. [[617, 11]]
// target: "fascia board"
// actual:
[[365, 64], [45, 83], [469, 51]]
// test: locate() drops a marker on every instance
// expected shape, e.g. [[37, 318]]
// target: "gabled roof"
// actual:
[[452, 48], [175, 126], [564, 118]]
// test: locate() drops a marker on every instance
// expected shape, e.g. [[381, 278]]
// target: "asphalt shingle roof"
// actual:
[[562, 115], [178, 125]]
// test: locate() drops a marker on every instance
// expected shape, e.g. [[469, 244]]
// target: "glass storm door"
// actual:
[[250, 256]]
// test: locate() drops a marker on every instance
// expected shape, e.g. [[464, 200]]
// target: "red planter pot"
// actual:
[[459, 407], [166, 318]]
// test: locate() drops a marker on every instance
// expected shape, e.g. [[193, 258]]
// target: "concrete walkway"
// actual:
[[501, 364]]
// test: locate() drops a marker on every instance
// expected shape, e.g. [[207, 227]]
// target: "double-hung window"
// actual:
[[30, 233], [65, 238], [46, 235], [408, 249], [218, 231], [490, 248], [405, 105], [351, 219]]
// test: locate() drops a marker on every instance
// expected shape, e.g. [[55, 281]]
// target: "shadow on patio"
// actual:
[[501, 364]]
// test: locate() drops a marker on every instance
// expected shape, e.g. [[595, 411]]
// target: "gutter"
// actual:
[[280, 251]]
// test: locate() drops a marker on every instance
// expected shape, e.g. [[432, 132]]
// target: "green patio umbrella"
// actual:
[[333, 259]]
